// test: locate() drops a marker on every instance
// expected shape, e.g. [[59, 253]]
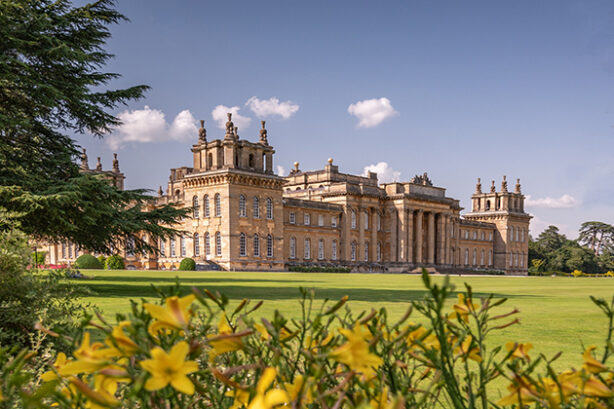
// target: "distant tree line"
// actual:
[[592, 252]]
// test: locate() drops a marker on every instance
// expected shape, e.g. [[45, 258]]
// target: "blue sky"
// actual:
[[457, 89]]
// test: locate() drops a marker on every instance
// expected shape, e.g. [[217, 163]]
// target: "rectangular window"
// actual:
[[292, 247], [366, 251], [334, 250], [242, 245], [307, 249], [320, 220], [366, 220], [196, 245], [321, 250], [307, 219], [207, 244], [183, 251], [333, 221], [162, 248], [218, 244], [490, 236], [172, 240], [292, 218]]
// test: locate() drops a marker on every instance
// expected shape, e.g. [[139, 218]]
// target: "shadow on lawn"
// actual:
[[237, 292], [190, 280]]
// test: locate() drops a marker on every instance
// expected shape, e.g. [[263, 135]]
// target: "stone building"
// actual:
[[244, 217]]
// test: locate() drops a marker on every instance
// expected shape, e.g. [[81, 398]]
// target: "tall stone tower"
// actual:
[[505, 210]]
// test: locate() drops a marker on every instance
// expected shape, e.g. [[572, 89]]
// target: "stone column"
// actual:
[[410, 235], [346, 237], [393, 234], [419, 237], [373, 243], [440, 238], [431, 239], [446, 241], [456, 227], [402, 238], [360, 249]]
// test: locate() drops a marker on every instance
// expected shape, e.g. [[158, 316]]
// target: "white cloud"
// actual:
[[372, 112], [281, 171], [220, 117], [269, 107], [564, 202], [385, 173], [149, 125]]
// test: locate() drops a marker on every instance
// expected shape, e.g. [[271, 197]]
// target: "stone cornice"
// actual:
[[233, 176]]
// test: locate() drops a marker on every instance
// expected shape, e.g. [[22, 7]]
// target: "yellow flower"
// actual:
[[298, 387], [520, 351], [464, 307], [591, 364], [241, 398], [465, 351], [119, 342], [520, 390], [264, 334], [170, 368], [90, 358], [106, 388], [594, 387], [174, 316], [225, 340], [268, 399], [60, 361], [382, 401], [355, 353], [418, 338]]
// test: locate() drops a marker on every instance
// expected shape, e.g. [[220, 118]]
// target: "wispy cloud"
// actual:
[[220, 117], [564, 202], [150, 125], [372, 112], [385, 173], [272, 107], [281, 171]]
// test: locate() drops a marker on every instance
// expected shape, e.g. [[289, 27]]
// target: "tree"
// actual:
[[596, 235], [51, 84]]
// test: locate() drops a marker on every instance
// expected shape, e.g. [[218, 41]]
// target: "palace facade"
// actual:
[[245, 217]]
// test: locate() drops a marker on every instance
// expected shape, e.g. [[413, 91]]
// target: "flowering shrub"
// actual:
[[609, 274], [197, 352], [577, 273]]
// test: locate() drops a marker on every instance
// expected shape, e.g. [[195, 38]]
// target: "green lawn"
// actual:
[[556, 313]]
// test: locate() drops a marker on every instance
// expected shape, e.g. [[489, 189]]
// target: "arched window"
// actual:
[[353, 251], [195, 207], [218, 244], [196, 245], [379, 251], [475, 258], [353, 219], [173, 243], [517, 235], [490, 257], [488, 205], [307, 249], [321, 249], [292, 247], [182, 246], [511, 236], [522, 260], [522, 237], [482, 236], [269, 246], [366, 251], [269, 208], [206, 206], [242, 209], [333, 254], [242, 245], [466, 257], [511, 255], [218, 205], [162, 248], [207, 244], [256, 246], [482, 258], [516, 260], [256, 209], [366, 216]]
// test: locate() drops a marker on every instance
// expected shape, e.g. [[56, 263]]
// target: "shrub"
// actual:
[[28, 297], [187, 264], [38, 257], [88, 261], [102, 259], [609, 274], [198, 351], [577, 273], [115, 262]]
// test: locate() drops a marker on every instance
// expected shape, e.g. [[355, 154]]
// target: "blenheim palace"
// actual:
[[245, 217]]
